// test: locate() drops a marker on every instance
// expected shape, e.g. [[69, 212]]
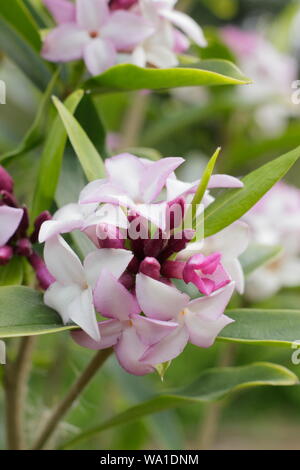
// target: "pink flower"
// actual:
[[71, 295], [10, 219], [94, 34], [130, 333]]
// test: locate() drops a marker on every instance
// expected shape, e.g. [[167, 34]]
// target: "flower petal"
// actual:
[[154, 179], [112, 299], [65, 43], [10, 219], [99, 55], [152, 331], [125, 172], [224, 181], [113, 260], [168, 348], [82, 313], [203, 330], [63, 263], [232, 241], [110, 331], [158, 300], [59, 297], [212, 307], [186, 24], [126, 29], [128, 351], [235, 270], [63, 11], [91, 14]]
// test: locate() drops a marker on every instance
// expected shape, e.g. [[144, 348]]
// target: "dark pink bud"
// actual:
[[121, 4], [150, 267], [44, 277], [43, 217], [6, 254], [6, 181], [175, 213], [7, 199], [24, 247], [23, 227], [177, 243], [153, 247], [173, 269], [109, 236]]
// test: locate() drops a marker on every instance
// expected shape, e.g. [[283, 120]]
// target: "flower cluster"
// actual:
[[275, 221], [129, 275], [14, 225], [104, 33]]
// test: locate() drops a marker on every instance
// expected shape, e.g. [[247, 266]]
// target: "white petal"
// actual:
[[113, 260], [59, 297], [158, 300], [125, 172], [91, 14], [203, 330], [212, 306], [99, 55], [235, 270], [152, 331], [63, 263], [186, 24], [168, 348], [231, 242], [65, 43], [82, 313], [10, 219]]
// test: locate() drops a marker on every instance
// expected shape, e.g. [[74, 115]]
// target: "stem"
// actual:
[[210, 424], [15, 380], [77, 388], [134, 120]]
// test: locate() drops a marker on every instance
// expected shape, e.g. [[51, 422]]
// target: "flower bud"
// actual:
[[24, 247], [6, 181], [6, 254], [121, 4], [150, 267], [109, 236]]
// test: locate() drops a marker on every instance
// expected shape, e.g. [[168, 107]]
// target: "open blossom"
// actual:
[[128, 277], [275, 221], [104, 33], [272, 73]]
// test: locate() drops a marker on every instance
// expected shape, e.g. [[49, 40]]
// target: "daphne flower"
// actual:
[[95, 34], [72, 293], [274, 221], [10, 219], [133, 183], [130, 333], [199, 321]]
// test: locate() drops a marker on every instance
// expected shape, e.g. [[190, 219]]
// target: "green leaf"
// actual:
[[16, 14], [230, 207], [266, 327], [127, 77], [86, 152], [51, 160], [34, 135], [20, 41], [258, 255], [23, 313], [12, 273], [212, 385]]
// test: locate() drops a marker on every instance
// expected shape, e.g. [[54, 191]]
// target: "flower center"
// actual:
[[94, 34]]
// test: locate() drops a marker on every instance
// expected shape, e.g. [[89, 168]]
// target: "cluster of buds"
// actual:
[[14, 226], [139, 252]]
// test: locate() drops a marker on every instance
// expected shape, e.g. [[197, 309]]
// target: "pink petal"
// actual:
[[203, 330], [126, 29], [231, 242], [235, 270], [168, 348], [154, 179], [110, 332], [82, 313], [91, 14], [155, 213], [224, 181], [158, 300], [63, 263], [186, 24], [128, 351], [212, 307], [103, 191], [10, 219], [99, 55], [113, 300], [181, 43], [63, 11], [152, 331], [125, 172], [65, 43], [112, 260]]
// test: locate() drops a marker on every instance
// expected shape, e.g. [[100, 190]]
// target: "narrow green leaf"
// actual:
[[258, 255], [127, 77], [212, 385], [265, 327], [87, 154], [23, 313], [12, 273], [34, 135], [236, 202], [51, 160]]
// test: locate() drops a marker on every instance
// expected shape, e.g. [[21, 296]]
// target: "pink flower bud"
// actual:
[[109, 236], [43, 275], [6, 181], [150, 267], [24, 247], [121, 4], [6, 253]]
